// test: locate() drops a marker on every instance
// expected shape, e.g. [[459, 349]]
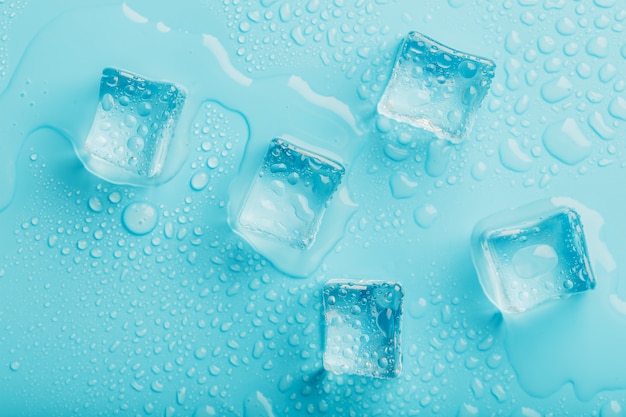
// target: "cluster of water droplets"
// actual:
[[270, 33]]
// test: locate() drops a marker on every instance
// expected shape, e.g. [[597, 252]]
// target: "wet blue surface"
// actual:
[[126, 300]]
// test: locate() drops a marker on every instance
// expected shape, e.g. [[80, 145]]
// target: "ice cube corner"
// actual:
[[435, 87], [530, 255], [289, 195], [133, 126], [362, 327]]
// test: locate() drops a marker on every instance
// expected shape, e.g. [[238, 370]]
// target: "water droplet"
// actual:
[[566, 142], [425, 215], [607, 72], [546, 44], [467, 410], [285, 383], [513, 157], [95, 204], [156, 386], [14, 366], [437, 158], [199, 180], [598, 125], [499, 393], [598, 47], [181, 395], [604, 3], [139, 218], [479, 171], [402, 186], [512, 69], [565, 26], [115, 197], [556, 90], [512, 42], [611, 409], [617, 108], [213, 162]]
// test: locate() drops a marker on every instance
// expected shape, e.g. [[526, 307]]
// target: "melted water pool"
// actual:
[[141, 300]]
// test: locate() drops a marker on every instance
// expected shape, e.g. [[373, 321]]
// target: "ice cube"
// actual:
[[289, 195], [530, 255], [362, 327], [133, 126], [435, 87]]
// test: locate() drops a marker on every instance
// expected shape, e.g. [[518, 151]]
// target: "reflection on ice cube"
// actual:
[[527, 256], [362, 328], [289, 195], [435, 87], [133, 126]]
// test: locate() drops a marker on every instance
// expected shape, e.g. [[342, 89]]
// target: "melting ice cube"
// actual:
[[289, 195], [362, 327], [435, 87], [133, 126], [532, 254]]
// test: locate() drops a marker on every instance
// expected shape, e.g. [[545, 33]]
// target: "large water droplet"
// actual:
[[598, 47], [612, 409], [425, 215], [566, 142], [556, 90], [199, 180], [402, 186], [139, 218], [598, 125], [513, 157]]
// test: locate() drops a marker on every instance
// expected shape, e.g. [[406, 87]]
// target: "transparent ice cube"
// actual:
[[289, 195], [435, 87], [362, 327], [530, 255], [133, 126]]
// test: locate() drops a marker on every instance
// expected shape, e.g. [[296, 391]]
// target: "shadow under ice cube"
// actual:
[[530, 255], [362, 328], [435, 87], [133, 126], [288, 197]]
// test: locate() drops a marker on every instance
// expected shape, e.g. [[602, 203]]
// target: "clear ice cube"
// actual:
[[289, 195], [362, 327], [435, 87], [133, 125], [527, 256]]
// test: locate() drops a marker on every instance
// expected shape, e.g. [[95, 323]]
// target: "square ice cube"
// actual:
[[435, 87], [289, 195], [530, 255], [134, 122], [362, 327]]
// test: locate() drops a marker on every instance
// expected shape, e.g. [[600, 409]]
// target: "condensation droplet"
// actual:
[[199, 180], [139, 218]]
